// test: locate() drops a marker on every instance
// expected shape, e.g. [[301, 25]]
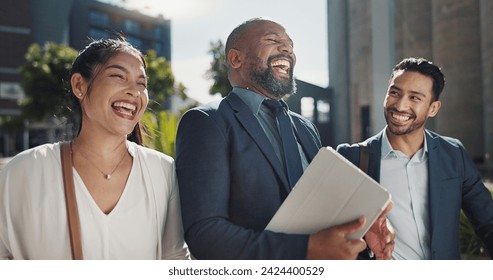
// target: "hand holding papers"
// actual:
[[331, 191]]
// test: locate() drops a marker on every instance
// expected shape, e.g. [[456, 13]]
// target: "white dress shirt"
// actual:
[[407, 181]]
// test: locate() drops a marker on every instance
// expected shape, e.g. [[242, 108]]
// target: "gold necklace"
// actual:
[[107, 176]]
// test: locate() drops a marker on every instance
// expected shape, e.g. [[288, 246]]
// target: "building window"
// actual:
[[131, 26], [158, 47], [158, 33], [11, 90], [315, 110], [307, 107], [136, 42], [98, 18], [98, 34], [323, 111]]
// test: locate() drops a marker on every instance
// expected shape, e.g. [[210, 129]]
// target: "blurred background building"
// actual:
[[15, 38]]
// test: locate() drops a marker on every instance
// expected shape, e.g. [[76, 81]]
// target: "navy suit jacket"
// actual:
[[232, 183], [454, 183]]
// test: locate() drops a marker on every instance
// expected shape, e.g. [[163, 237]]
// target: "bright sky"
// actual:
[[196, 23]]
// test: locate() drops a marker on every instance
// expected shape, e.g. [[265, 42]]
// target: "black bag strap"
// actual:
[[364, 157]]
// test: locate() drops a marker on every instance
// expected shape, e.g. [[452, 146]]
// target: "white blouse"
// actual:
[[145, 223]]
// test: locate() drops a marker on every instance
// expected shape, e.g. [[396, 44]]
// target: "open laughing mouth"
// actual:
[[399, 118], [281, 65], [125, 108]]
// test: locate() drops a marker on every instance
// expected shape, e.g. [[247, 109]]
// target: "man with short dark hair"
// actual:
[[430, 177]]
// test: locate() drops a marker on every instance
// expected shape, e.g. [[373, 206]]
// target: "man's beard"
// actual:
[[265, 79], [417, 124]]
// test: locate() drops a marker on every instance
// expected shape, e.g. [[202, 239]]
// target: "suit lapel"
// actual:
[[245, 116], [309, 144], [434, 186]]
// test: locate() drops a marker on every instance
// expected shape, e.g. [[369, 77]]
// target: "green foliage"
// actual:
[[471, 247], [45, 75], [161, 130], [161, 82], [160, 125], [218, 72], [11, 123]]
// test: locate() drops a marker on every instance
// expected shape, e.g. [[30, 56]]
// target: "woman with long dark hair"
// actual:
[[126, 195]]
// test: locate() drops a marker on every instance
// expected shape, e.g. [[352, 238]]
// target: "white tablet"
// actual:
[[331, 191]]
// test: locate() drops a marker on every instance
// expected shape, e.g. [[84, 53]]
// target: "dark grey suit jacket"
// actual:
[[232, 183], [454, 183]]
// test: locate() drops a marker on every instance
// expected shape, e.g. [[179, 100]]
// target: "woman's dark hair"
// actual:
[[95, 54]]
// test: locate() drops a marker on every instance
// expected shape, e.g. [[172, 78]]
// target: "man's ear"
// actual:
[[434, 108], [79, 85], [234, 58]]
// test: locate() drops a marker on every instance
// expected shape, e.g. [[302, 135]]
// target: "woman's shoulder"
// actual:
[[32, 169], [160, 166], [36, 156], [149, 154]]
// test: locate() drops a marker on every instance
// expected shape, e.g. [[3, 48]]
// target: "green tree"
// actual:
[[161, 82], [160, 126], [44, 78], [161, 131], [218, 71]]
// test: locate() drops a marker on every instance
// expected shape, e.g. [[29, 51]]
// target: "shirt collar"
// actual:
[[388, 151], [386, 147], [252, 99]]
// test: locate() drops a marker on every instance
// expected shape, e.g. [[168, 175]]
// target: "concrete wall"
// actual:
[[486, 21], [360, 62], [457, 48], [337, 17]]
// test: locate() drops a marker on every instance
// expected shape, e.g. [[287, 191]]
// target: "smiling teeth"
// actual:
[[282, 66], [401, 118], [281, 63], [124, 105]]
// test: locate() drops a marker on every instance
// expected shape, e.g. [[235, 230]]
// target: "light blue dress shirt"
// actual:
[[407, 181], [267, 121]]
